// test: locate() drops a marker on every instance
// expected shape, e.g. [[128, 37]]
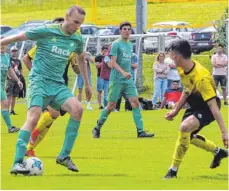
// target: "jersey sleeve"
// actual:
[[37, 33], [114, 49], [206, 89], [32, 52]]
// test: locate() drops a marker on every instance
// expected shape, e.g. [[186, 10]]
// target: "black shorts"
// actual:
[[12, 88], [222, 79], [204, 116]]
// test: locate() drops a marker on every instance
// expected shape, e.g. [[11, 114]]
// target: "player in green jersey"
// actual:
[[55, 43], [5, 69], [121, 81]]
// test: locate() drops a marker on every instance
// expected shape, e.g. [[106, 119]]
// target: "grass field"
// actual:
[[118, 160]]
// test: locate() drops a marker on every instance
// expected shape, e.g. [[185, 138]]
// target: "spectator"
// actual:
[[100, 83], [134, 65], [12, 88], [80, 81], [105, 76], [220, 64], [161, 70], [173, 74], [171, 96]]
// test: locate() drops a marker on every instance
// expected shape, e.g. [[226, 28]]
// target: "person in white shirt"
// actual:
[[220, 63]]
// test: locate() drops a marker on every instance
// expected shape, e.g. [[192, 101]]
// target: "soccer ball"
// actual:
[[35, 166]]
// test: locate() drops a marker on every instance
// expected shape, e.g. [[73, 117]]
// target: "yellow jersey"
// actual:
[[199, 84]]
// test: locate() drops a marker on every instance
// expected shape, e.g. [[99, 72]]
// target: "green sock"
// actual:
[[6, 117], [138, 119], [102, 119], [70, 137], [22, 141]]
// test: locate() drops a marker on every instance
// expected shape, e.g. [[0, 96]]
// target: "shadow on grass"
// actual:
[[87, 174], [215, 177]]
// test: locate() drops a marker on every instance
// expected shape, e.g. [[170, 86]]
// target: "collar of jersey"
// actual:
[[186, 73], [62, 31]]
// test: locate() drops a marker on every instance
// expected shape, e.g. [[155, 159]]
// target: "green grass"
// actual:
[[114, 12], [118, 160]]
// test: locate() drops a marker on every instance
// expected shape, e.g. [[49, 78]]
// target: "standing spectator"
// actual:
[[161, 70], [134, 65], [105, 76], [173, 74], [220, 63], [80, 81], [172, 96], [12, 88], [100, 83]]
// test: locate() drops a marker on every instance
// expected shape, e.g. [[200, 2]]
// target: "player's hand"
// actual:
[[88, 92], [126, 75], [170, 115], [20, 85], [225, 139]]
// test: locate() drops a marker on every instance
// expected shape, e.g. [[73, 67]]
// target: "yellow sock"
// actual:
[[44, 121], [203, 143], [181, 147], [40, 130]]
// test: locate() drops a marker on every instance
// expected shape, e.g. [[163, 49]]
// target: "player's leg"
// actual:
[[188, 125], [205, 117], [106, 88], [5, 113], [69, 103], [15, 95], [131, 93], [113, 95], [33, 115], [41, 129]]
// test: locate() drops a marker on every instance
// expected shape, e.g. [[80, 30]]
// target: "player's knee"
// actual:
[[188, 124], [77, 111], [54, 114], [134, 102]]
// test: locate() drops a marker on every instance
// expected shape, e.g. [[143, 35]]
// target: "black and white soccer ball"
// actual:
[[35, 166]]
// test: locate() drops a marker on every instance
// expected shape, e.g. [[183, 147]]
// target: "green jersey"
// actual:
[[4, 65], [53, 51], [123, 51]]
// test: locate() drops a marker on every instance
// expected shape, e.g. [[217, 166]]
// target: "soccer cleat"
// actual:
[[12, 112], [143, 134], [225, 103], [67, 162], [101, 107], [13, 129], [223, 153], [19, 168], [170, 174], [96, 133], [30, 153]]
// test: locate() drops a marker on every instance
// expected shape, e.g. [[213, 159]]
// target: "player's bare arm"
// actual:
[[218, 117], [27, 61], [83, 70], [114, 64], [11, 39], [171, 114]]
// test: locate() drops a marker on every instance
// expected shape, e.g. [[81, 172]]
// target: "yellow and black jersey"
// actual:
[[199, 84]]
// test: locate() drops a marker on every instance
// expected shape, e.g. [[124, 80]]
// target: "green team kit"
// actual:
[[46, 84], [118, 83], [5, 65]]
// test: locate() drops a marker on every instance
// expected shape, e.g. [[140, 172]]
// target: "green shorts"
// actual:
[[116, 89], [44, 93], [3, 94]]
